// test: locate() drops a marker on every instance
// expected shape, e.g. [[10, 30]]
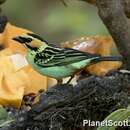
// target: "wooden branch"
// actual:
[[125, 4], [113, 16]]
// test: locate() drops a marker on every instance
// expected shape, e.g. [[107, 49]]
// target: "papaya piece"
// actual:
[[37, 81], [102, 45], [12, 89], [10, 32]]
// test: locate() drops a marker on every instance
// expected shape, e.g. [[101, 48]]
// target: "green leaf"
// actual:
[[116, 116], [3, 113], [5, 120]]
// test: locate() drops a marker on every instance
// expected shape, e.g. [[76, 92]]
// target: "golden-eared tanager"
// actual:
[[57, 62]]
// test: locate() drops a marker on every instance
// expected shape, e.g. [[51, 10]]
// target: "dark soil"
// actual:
[[65, 107]]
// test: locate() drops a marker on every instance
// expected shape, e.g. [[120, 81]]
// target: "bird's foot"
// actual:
[[69, 80], [59, 81]]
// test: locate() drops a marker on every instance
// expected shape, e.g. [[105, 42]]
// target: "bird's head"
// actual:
[[31, 41]]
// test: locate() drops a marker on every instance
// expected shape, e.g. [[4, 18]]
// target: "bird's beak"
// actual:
[[19, 39]]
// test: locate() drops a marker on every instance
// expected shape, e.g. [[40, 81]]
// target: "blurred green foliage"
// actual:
[[115, 119], [54, 21], [5, 119]]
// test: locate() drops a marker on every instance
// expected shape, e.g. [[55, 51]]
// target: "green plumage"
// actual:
[[57, 62]]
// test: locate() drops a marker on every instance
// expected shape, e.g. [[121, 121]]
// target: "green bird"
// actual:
[[57, 62]]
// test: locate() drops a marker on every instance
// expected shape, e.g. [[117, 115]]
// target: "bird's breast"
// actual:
[[58, 71]]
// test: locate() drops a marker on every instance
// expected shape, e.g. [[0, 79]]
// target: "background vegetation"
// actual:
[[54, 21]]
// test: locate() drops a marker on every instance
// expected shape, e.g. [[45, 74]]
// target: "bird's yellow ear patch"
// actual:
[[36, 43]]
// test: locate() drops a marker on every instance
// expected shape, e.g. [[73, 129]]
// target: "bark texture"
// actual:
[[115, 14]]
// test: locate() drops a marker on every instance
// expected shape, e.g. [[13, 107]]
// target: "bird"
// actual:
[[56, 62]]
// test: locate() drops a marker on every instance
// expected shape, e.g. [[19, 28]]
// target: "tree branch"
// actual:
[[125, 4], [113, 16]]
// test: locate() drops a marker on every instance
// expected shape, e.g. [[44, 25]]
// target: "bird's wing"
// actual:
[[50, 57]]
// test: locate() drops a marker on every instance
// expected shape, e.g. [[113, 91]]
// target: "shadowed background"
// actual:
[[54, 21]]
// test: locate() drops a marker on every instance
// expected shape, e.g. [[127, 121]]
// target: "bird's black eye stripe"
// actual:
[[37, 37], [25, 39]]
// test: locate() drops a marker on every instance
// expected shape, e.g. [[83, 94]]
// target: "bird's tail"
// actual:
[[107, 58]]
